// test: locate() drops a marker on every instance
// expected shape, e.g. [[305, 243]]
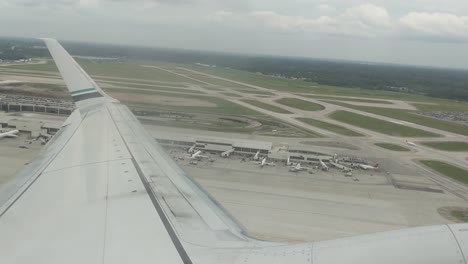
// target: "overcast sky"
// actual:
[[421, 32]]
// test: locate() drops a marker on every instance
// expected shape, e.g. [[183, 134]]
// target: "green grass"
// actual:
[[254, 79], [411, 116], [33, 74], [346, 99], [461, 216], [104, 78], [56, 87], [448, 170], [300, 104], [299, 86], [448, 145], [442, 105], [392, 147], [253, 91], [378, 125], [232, 95], [223, 106], [330, 127], [117, 69], [156, 88], [267, 106], [47, 67], [210, 80]]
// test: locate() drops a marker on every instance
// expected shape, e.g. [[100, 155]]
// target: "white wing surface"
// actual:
[[103, 191]]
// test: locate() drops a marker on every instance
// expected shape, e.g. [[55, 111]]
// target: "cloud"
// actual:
[[439, 25], [52, 4], [362, 20], [365, 20], [33, 3], [324, 8], [370, 15]]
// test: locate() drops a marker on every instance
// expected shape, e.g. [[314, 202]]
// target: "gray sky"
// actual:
[[423, 32]]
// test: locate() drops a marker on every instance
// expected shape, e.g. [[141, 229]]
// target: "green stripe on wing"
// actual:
[[82, 91]]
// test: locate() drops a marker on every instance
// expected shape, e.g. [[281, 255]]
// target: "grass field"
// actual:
[[447, 145], [232, 95], [448, 170], [300, 104], [48, 86], [347, 99], [7, 71], [378, 125], [254, 91], [392, 147], [208, 79], [213, 123], [330, 127], [47, 67], [442, 105], [200, 125], [461, 216], [298, 86], [212, 88], [114, 68], [267, 106], [222, 106], [127, 69], [156, 88], [411, 116]]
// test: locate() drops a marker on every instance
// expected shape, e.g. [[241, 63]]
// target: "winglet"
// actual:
[[79, 84]]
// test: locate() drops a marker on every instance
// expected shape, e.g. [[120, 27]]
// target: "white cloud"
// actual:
[[324, 8], [363, 20], [220, 16], [436, 24], [370, 15]]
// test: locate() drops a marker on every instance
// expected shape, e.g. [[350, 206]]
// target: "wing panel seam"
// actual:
[[458, 243], [167, 225]]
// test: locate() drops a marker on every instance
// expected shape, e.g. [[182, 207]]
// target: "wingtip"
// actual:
[[48, 40]]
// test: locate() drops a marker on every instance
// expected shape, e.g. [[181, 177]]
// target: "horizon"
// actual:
[[249, 54], [422, 32]]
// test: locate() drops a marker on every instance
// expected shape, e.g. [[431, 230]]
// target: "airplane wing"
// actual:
[[103, 191]]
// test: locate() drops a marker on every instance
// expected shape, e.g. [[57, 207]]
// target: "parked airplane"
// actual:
[[323, 166], [192, 149], [104, 191], [297, 168], [369, 167], [11, 133], [257, 156], [264, 162], [339, 166], [227, 153], [290, 163], [198, 155]]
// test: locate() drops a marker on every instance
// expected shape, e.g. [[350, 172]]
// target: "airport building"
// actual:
[[215, 145], [299, 153], [26, 125], [243, 147], [18, 103]]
